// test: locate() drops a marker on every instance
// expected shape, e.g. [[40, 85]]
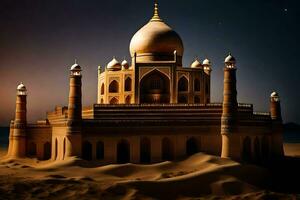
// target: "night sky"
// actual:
[[39, 40]]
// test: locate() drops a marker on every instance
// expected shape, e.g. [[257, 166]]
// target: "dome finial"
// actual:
[[156, 15]]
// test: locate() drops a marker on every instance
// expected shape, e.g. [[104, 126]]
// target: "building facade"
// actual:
[[151, 110]]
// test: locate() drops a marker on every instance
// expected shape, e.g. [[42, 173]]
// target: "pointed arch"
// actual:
[[207, 89], [183, 84], [47, 151], [257, 153], [246, 154], [265, 151], [167, 149], [123, 152], [114, 87], [100, 150], [32, 149], [197, 86], [114, 100], [155, 88], [87, 150], [102, 89], [128, 99], [191, 146], [128, 84], [145, 150]]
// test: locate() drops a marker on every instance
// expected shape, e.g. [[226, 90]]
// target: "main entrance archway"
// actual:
[[155, 88]]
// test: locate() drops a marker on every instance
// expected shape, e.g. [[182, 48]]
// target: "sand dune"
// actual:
[[292, 149], [200, 175]]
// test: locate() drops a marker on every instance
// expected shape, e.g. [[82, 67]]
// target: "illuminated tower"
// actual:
[[229, 115], [17, 144], [73, 140], [277, 129]]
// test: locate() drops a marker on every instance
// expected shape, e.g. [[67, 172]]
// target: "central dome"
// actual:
[[156, 38]]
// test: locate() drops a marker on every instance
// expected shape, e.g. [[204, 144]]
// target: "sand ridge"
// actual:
[[200, 175]]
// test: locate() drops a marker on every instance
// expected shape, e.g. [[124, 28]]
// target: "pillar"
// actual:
[[277, 128], [230, 141], [74, 121], [17, 143]]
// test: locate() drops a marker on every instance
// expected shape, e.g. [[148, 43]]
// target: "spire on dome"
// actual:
[[156, 15]]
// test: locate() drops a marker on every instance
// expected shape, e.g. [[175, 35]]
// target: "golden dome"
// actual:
[[156, 38]]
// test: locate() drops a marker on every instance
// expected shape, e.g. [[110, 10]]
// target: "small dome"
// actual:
[[125, 64], [274, 94], [75, 67], [206, 62], [196, 64], [113, 65], [21, 87], [230, 59]]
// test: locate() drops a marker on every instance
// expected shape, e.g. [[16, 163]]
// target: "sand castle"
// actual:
[[151, 110]]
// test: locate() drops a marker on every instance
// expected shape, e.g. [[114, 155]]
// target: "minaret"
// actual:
[[275, 108], [17, 139], [207, 71], [277, 129], [73, 141], [229, 115]]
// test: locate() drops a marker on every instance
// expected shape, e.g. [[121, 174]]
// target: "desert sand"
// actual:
[[199, 176], [292, 149]]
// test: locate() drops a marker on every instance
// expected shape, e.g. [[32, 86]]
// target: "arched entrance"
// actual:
[[32, 149], [191, 146], [183, 84], [265, 148], [167, 149], [155, 88], [128, 84], [87, 150], [123, 152], [102, 89], [247, 149], [197, 85], [257, 154], [100, 150], [114, 87], [145, 150], [47, 151]]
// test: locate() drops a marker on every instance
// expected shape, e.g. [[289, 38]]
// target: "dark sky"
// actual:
[[39, 40]]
